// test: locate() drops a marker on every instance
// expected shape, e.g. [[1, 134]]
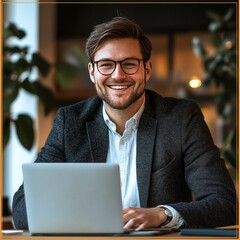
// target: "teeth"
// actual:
[[119, 87]]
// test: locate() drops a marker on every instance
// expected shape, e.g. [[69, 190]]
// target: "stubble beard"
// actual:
[[121, 105]]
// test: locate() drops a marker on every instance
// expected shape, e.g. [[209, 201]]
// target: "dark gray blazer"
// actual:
[[177, 160]]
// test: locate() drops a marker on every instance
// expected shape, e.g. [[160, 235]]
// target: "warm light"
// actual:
[[195, 82], [228, 44]]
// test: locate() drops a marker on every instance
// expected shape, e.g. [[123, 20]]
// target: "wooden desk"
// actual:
[[168, 236]]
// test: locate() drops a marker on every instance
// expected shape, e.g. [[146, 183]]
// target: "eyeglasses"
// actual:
[[107, 67]]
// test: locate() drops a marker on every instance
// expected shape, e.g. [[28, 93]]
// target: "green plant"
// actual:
[[18, 66], [220, 71]]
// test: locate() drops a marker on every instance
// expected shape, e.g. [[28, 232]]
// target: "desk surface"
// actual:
[[10, 234]]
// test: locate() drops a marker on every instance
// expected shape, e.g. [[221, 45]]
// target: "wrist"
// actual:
[[168, 216], [177, 220]]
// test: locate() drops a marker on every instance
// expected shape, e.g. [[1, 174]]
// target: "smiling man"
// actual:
[[162, 145]]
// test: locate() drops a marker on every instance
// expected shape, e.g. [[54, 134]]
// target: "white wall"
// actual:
[[25, 16]]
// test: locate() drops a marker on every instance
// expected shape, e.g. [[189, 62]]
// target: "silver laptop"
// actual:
[[73, 198]]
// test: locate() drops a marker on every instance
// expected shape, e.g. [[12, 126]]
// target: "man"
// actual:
[[164, 149]]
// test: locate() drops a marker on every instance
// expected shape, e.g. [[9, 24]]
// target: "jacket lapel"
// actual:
[[98, 138], [145, 147]]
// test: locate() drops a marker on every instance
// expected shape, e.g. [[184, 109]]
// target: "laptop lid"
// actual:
[[73, 197]]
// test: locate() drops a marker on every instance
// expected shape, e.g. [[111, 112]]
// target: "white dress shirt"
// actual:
[[122, 150]]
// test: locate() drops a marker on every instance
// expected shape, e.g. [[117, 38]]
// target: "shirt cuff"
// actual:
[[177, 221]]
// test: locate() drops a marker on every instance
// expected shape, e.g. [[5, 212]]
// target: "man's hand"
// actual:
[[141, 218]]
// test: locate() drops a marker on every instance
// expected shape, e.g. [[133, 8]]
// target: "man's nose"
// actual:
[[118, 72]]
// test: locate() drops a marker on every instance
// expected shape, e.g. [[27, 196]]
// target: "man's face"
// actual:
[[120, 90]]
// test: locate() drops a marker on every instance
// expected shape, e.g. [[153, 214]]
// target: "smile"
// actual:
[[118, 87]]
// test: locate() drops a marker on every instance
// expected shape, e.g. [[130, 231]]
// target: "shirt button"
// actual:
[[121, 141]]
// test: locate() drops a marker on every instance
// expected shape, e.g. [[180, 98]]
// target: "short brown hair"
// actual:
[[118, 27]]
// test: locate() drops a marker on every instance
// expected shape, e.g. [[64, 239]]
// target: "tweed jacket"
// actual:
[[177, 161]]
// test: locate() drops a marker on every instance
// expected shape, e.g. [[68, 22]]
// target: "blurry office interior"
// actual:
[[55, 29]]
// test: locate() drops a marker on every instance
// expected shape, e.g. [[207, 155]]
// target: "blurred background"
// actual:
[[45, 67]]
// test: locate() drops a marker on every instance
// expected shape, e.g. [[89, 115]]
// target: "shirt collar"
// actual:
[[131, 123]]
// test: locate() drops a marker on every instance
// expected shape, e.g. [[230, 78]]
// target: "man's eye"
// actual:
[[105, 64], [129, 64]]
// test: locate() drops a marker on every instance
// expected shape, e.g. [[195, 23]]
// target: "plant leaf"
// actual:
[[216, 39], [81, 54], [28, 86], [214, 26], [25, 130], [229, 14], [10, 91], [207, 80], [214, 16], [21, 66], [230, 157], [215, 64], [66, 74], [45, 95], [12, 31], [15, 49], [198, 47], [42, 65], [6, 131]]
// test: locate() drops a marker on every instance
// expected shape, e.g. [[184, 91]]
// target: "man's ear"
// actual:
[[148, 69], [91, 72]]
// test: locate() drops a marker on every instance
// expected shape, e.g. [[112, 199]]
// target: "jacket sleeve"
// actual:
[[53, 150], [19, 214], [213, 190]]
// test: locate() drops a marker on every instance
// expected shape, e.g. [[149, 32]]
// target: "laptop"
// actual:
[[74, 199]]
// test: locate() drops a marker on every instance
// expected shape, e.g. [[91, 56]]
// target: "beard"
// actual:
[[120, 101]]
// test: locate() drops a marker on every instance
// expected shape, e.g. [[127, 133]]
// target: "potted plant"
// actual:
[[18, 64], [220, 71]]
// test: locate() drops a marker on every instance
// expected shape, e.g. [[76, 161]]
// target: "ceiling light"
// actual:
[[195, 82]]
